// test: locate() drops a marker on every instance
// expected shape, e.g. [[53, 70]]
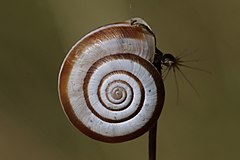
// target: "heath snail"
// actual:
[[110, 83]]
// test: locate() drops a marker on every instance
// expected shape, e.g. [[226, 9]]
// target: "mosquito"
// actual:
[[167, 62]]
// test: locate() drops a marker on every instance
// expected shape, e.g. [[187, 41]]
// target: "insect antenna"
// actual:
[[166, 72], [184, 54], [190, 60], [194, 68], [176, 82], [188, 81]]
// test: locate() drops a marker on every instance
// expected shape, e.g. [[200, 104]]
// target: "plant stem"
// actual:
[[152, 136]]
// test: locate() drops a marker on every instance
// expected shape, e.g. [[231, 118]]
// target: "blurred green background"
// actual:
[[35, 37]]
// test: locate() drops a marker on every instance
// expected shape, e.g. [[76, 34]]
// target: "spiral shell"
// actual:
[[108, 87]]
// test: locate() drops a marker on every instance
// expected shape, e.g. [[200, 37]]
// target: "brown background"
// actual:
[[36, 35]]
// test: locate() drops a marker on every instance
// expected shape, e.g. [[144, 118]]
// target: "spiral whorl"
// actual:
[[120, 92]]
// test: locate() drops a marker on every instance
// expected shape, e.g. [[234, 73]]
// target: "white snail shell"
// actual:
[[108, 87]]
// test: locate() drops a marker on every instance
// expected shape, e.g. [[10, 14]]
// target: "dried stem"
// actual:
[[152, 136]]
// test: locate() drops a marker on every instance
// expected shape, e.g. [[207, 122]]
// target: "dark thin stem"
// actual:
[[152, 136]]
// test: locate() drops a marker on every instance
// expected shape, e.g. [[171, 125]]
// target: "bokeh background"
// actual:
[[36, 35]]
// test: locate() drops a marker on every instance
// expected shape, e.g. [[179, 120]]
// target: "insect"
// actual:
[[169, 63], [110, 83]]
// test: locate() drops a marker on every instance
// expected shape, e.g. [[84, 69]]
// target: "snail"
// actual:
[[111, 82], [109, 87]]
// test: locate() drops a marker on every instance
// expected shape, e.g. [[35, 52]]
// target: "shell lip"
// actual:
[[139, 21]]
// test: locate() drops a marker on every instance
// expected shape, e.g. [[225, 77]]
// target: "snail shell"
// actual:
[[108, 87]]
